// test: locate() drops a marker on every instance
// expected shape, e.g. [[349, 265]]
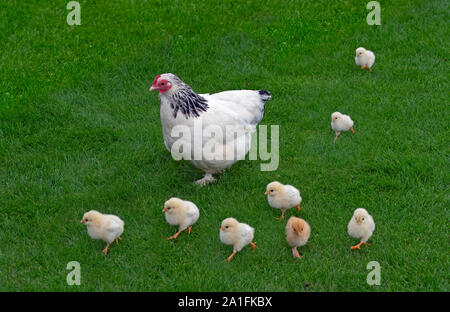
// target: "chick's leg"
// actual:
[[174, 236], [105, 251], [364, 67], [189, 229], [298, 207], [352, 130], [295, 253], [336, 137], [253, 246], [231, 256], [357, 246], [282, 216], [117, 240]]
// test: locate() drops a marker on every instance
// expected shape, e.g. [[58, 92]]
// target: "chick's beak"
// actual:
[[267, 193], [358, 220], [222, 228], [82, 221], [164, 209]]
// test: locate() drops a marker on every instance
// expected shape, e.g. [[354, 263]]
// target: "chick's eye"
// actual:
[[226, 227], [271, 191], [86, 220]]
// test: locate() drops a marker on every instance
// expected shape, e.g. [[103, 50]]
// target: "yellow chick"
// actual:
[[283, 197], [182, 213], [237, 234], [364, 58], [361, 226], [103, 226], [297, 234], [341, 122]]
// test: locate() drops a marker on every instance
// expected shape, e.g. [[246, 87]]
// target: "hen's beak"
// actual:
[[153, 88], [82, 221], [267, 193]]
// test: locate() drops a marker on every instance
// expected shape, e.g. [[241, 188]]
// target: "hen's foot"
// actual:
[[208, 178]]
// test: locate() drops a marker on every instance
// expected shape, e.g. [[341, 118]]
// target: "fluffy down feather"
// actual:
[[361, 226], [364, 58], [103, 226], [297, 234], [182, 213], [341, 122], [236, 234], [283, 197]]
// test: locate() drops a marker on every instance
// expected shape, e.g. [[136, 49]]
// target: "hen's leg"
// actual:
[[208, 178]]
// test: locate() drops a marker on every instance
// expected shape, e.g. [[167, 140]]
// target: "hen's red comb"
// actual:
[[156, 79]]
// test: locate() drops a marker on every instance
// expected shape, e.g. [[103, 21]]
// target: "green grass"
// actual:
[[79, 131]]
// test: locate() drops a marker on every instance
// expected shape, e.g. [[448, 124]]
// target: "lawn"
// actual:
[[79, 130]]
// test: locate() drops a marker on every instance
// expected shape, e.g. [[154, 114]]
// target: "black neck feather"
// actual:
[[189, 103]]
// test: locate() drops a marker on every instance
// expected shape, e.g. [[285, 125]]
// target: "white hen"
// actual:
[[361, 226], [341, 122], [216, 128], [364, 58], [103, 226]]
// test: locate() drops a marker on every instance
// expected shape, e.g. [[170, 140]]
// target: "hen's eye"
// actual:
[[162, 83]]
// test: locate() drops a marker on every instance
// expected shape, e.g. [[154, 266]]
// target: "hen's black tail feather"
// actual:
[[265, 95]]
